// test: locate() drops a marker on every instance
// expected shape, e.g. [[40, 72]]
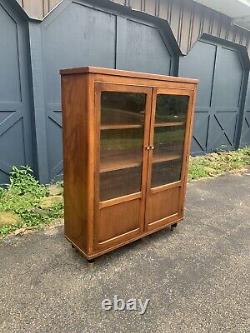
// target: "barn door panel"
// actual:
[[15, 117], [220, 71], [245, 137], [136, 45], [226, 99], [193, 65]]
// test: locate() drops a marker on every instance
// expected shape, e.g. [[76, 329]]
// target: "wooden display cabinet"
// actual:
[[126, 139]]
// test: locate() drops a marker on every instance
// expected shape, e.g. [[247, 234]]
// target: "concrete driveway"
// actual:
[[197, 277]]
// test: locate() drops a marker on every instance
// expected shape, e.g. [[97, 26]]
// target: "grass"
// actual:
[[24, 195], [23, 199], [216, 164]]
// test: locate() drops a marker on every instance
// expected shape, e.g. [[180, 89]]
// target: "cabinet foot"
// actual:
[[91, 261], [173, 226], [74, 248]]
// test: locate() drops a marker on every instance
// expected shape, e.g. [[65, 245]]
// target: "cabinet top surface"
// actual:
[[122, 73]]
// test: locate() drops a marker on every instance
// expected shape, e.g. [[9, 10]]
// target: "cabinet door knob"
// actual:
[[150, 148]]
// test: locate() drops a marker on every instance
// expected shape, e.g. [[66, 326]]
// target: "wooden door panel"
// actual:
[[161, 205], [118, 223], [169, 141]]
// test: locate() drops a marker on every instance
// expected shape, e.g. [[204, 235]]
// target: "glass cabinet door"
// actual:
[[169, 126], [121, 143]]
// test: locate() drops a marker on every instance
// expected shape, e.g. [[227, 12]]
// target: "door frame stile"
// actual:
[[146, 158], [150, 152]]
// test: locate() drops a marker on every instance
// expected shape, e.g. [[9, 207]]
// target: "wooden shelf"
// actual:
[[170, 124], [120, 164], [167, 157], [120, 126], [128, 126], [132, 162]]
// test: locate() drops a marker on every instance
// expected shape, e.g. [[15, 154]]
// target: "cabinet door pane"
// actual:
[[166, 172], [168, 142], [114, 184], [121, 143], [169, 136], [120, 108], [171, 108]]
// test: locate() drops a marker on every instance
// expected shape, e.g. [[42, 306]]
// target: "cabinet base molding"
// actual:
[[100, 253]]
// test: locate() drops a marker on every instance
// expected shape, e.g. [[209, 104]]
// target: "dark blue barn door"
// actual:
[[220, 71], [15, 119], [245, 137]]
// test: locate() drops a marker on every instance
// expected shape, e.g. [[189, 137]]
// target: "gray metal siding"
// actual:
[[38, 8], [189, 20]]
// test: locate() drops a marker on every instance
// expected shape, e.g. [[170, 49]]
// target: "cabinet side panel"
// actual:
[[74, 105]]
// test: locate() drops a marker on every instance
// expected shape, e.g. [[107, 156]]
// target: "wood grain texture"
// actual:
[[113, 225], [75, 143], [162, 205], [187, 149], [125, 74], [93, 226]]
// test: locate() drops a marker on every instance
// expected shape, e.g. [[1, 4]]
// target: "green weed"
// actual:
[[216, 164], [23, 197]]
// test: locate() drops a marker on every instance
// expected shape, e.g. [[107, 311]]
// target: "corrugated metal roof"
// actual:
[[238, 10]]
